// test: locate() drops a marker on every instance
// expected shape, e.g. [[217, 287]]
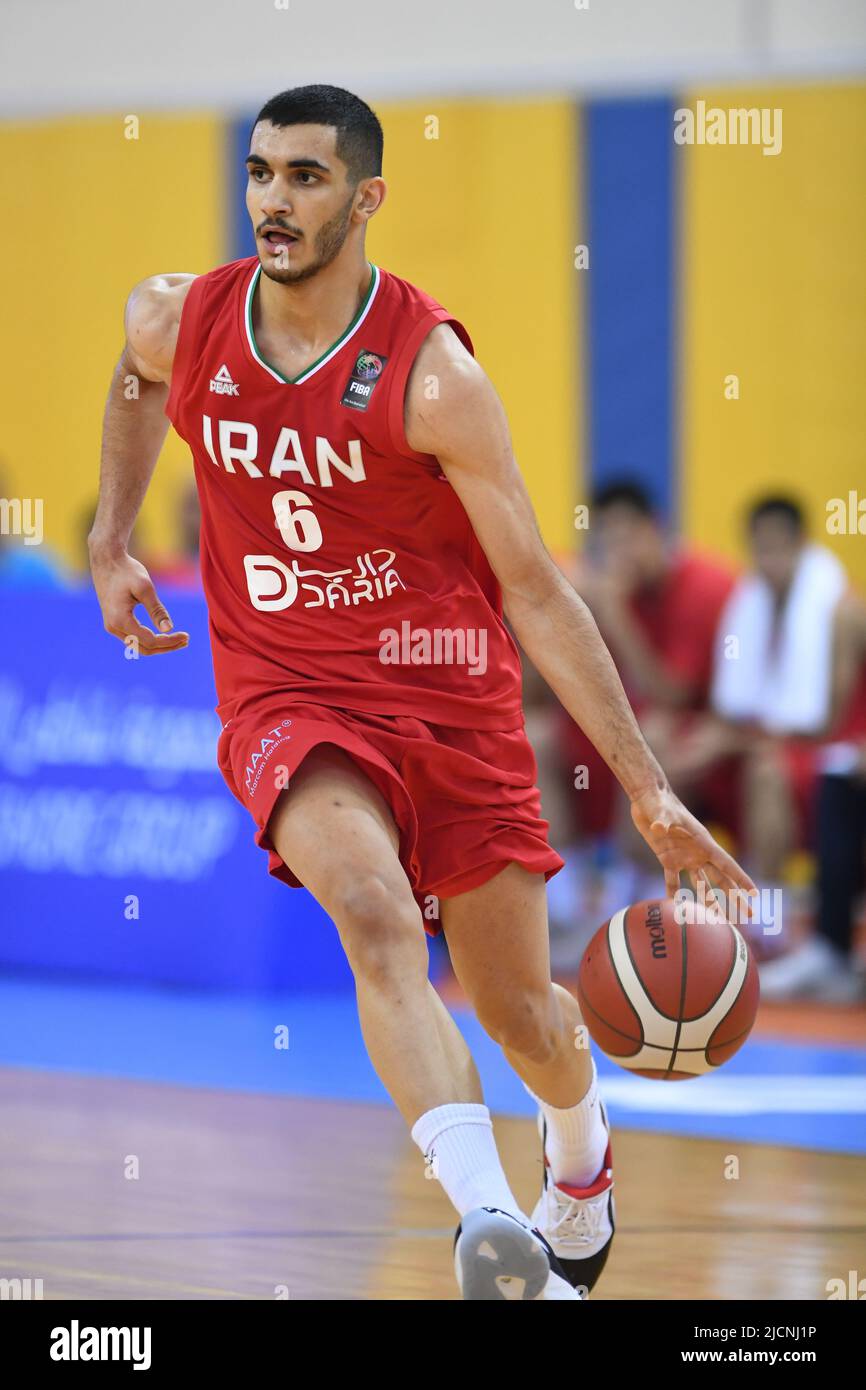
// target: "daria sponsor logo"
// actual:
[[437, 646], [272, 586], [737, 126], [262, 752], [77, 1343]]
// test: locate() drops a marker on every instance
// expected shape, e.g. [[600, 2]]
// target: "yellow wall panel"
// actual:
[[483, 218], [774, 291], [87, 213]]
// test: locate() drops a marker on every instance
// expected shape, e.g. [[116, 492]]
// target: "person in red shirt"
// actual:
[[657, 605], [365, 529]]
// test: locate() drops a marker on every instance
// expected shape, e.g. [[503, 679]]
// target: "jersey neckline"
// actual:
[[348, 332]]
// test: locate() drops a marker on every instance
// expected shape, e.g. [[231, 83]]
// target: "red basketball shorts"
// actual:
[[465, 802]]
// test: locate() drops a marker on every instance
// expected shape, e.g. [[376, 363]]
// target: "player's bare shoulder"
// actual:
[[446, 385], [152, 320]]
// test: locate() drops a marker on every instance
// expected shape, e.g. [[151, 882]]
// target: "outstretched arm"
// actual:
[[134, 429], [466, 428]]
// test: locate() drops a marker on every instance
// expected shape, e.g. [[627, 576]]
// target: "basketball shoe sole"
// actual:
[[497, 1257]]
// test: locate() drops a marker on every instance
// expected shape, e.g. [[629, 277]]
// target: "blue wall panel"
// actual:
[[630, 198], [241, 241]]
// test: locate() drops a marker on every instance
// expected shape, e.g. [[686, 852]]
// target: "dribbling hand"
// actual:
[[683, 845], [120, 584]]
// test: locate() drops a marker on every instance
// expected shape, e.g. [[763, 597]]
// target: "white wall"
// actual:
[[127, 55]]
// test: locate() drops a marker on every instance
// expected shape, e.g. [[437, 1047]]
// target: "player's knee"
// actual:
[[380, 928], [526, 1022], [362, 903]]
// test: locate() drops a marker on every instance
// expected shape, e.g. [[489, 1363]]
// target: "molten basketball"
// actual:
[[666, 997]]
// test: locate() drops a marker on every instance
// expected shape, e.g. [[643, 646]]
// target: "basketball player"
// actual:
[[364, 526]]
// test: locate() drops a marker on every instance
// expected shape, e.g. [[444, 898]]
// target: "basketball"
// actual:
[[664, 996]]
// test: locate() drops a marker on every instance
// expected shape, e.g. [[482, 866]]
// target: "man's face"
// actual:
[[776, 545], [299, 199], [628, 545]]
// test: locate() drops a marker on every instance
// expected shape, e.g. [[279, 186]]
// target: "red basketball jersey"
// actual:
[[338, 563]]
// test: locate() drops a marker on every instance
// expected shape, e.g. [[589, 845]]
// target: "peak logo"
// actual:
[[222, 383]]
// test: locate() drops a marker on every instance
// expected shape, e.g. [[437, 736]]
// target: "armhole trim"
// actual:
[[402, 367], [189, 317]]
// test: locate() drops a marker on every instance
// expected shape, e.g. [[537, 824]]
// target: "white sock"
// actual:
[[576, 1137], [457, 1142]]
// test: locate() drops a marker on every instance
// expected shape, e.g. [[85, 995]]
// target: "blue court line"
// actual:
[[801, 1094]]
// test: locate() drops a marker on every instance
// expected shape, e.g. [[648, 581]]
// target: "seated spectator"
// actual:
[[789, 684], [753, 763], [657, 604]]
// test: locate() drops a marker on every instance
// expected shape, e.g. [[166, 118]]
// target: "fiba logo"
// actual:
[[366, 372], [368, 365]]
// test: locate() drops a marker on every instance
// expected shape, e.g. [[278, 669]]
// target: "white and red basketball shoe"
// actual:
[[498, 1257], [577, 1222]]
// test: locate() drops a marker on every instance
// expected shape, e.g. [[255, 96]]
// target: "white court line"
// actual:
[[739, 1095]]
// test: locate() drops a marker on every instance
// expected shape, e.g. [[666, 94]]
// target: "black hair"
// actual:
[[786, 508], [623, 492], [359, 134]]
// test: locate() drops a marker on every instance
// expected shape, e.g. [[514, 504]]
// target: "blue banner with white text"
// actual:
[[122, 851]]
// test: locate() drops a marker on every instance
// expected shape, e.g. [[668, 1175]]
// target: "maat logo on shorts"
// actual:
[[365, 373], [260, 754]]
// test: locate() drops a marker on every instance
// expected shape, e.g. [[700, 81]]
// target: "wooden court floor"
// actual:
[[126, 1190]]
